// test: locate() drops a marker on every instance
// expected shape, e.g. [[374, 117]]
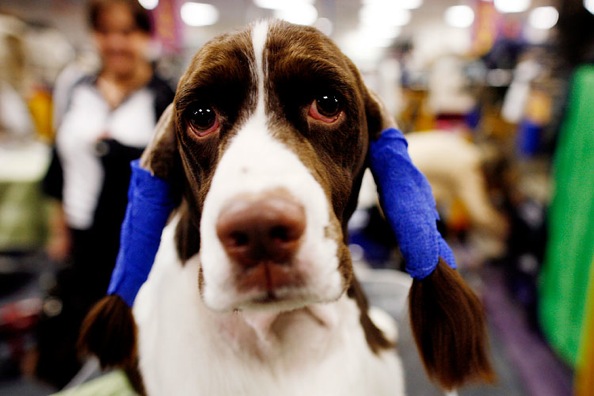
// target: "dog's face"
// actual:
[[272, 128]]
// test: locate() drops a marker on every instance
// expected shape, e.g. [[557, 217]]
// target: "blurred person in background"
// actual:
[[15, 118], [106, 121]]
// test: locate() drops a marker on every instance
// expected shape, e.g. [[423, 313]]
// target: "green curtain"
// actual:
[[565, 275]]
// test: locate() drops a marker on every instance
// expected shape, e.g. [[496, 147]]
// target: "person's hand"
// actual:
[[59, 244]]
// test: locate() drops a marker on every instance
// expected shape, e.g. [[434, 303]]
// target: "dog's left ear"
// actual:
[[109, 330], [447, 318]]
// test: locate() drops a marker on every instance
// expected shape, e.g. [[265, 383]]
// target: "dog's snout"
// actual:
[[266, 229]]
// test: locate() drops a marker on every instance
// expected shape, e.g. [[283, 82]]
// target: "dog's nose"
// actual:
[[261, 230]]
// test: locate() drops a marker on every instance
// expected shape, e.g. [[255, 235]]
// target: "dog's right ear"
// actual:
[[161, 157]]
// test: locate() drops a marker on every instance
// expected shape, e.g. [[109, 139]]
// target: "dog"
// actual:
[[252, 291]]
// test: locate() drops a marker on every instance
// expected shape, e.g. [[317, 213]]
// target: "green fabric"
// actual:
[[114, 383], [570, 249]]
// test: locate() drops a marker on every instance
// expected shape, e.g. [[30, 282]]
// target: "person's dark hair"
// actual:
[[141, 16]]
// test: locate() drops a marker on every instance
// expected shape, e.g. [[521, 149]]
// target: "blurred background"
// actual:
[[495, 97]]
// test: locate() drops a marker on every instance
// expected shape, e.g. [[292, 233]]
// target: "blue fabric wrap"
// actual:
[[150, 203], [408, 205]]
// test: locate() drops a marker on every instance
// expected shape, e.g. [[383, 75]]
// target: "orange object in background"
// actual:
[[458, 219], [41, 108]]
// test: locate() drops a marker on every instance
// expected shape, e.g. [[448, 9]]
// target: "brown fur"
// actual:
[[448, 324], [109, 332]]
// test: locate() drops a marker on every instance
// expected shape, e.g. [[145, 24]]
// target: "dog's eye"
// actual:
[[325, 108], [203, 120]]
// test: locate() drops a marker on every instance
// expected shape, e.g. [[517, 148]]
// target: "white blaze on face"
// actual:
[[254, 163]]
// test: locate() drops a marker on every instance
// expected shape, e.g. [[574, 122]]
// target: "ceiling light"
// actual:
[[543, 17], [460, 16], [509, 6], [390, 14], [299, 12], [199, 14], [589, 4], [149, 4], [379, 32], [411, 4]]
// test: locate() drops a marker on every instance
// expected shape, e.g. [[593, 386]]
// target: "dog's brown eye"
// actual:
[[203, 120], [325, 108]]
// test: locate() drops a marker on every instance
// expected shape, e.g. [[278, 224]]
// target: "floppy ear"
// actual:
[[161, 157], [109, 330], [447, 318]]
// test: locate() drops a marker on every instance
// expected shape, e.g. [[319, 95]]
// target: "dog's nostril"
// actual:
[[239, 239], [279, 233]]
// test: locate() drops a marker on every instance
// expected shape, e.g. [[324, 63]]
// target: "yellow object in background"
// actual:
[[40, 106], [539, 106], [457, 218]]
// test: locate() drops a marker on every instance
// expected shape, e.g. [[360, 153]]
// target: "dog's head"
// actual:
[[267, 141], [271, 126]]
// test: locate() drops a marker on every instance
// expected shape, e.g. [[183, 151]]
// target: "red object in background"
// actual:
[[19, 316], [18, 320]]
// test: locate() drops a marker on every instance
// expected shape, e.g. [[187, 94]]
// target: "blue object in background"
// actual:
[[528, 139]]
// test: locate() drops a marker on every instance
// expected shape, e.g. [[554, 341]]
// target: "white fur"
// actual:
[[187, 349], [259, 35]]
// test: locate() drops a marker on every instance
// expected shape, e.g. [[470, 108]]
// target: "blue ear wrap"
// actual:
[[150, 203], [408, 205]]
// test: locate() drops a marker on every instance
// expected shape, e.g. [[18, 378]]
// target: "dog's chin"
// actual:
[[282, 300]]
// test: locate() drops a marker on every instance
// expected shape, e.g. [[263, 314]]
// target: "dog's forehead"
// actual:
[[297, 42], [268, 46]]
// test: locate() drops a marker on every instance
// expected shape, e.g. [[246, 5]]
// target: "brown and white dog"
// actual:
[[252, 291]]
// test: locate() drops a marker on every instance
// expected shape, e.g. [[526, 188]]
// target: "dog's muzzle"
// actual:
[[261, 235]]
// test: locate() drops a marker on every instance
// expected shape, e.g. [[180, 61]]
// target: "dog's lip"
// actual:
[[269, 298], [268, 277]]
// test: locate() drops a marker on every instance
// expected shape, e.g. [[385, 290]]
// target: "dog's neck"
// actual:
[[271, 326]]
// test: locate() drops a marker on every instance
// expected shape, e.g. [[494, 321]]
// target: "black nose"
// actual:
[[265, 229]]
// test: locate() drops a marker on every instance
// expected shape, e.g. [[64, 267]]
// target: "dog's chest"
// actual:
[[185, 349]]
